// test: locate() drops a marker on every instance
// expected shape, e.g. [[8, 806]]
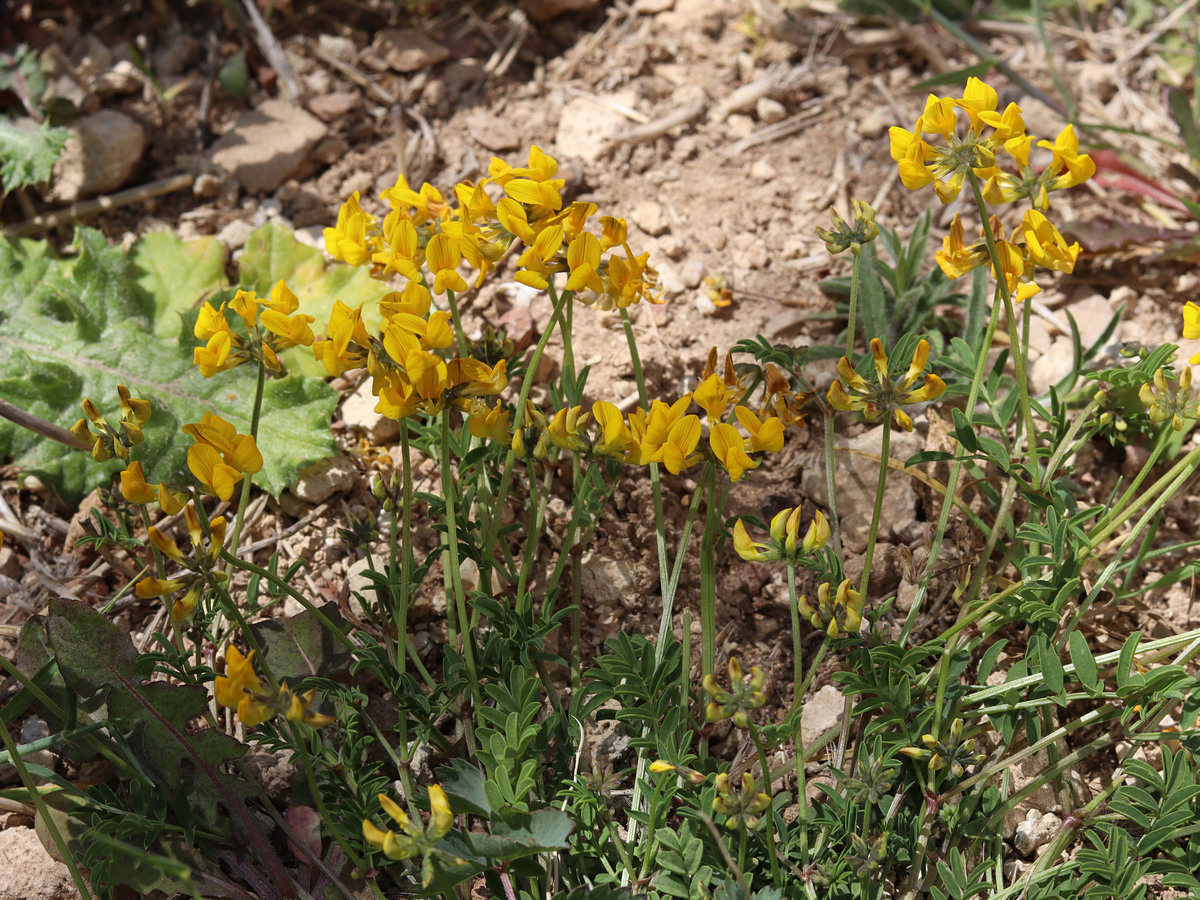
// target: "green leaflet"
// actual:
[[78, 327], [27, 155]]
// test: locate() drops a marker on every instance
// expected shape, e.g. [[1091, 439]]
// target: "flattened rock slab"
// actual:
[[29, 871], [267, 145], [100, 156], [408, 49]]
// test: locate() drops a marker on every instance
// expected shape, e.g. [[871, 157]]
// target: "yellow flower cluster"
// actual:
[[414, 839], [241, 689], [269, 331], [408, 375], [221, 457], [853, 392], [665, 433], [422, 230], [947, 161], [110, 441], [200, 565]]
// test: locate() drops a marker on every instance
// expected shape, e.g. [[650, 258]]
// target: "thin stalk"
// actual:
[[1018, 351], [956, 468], [885, 450], [1114, 511], [457, 322], [708, 577], [772, 851], [466, 641], [855, 278], [244, 499], [798, 710], [310, 776]]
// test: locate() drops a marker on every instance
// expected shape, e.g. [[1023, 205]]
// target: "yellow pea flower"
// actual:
[[729, 449], [443, 256], [840, 615], [348, 241], [678, 450]]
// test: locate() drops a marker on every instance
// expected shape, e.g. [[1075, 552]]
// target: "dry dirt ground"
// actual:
[[723, 129]]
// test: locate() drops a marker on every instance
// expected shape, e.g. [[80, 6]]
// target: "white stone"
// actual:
[[769, 110], [407, 49], [669, 280], [235, 234], [100, 156], [822, 712], [856, 479], [763, 171], [649, 216], [1036, 831], [358, 412], [267, 145], [586, 126], [323, 479], [607, 581], [29, 871], [692, 272]]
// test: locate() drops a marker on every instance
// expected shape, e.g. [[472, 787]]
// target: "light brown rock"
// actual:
[[267, 145], [100, 156], [408, 49], [28, 871]]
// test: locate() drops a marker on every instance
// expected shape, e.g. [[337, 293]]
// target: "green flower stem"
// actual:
[[43, 811], [772, 852], [885, 450], [244, 499], [664, 631], [337, 634], [1066, 447], [650, 851], [660, 533], [855, 278], [830, 479], [533, 538], [299, 742], [1155, 492], [956, 468], [400, 614], [1114, 512], [708, 574], [798, 684], [461, 338], [463, 641], [1018, 350], [493, 530]]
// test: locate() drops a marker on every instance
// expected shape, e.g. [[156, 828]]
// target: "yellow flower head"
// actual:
[[109, 441], [348, 241], [1173, 402], [841, 614], [744, 806], [220, 457], [200, 564], [853, 392], [785, 542], [414, 838], [745, 694]]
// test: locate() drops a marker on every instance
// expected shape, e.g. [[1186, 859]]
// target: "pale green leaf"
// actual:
[[273, 253], [173, 276], [27, 155], [77, 328]]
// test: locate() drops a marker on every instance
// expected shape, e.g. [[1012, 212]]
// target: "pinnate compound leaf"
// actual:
[[301, 645], [172, 276], [27, 155], [76, 328]]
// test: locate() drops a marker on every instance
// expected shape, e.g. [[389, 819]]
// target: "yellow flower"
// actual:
[[785, 541], [678, 450], [583, 258], [729, 449], [713, 396], [1075, 168], [401, 251], [566, 430], [241, 689], [1191, 322], [1046, 246], [614, 438], [1167, 402], [348, 240], [276, 330], [108, 441], [421, 206], [490, 424], [765, 435], [539, 261], [853, 392], [221, 456], [840, 615], [200, 564], [135, 489], [414, 839], [347, 343], [743, 807], [745, 694]]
